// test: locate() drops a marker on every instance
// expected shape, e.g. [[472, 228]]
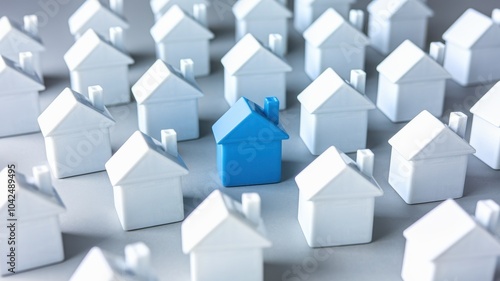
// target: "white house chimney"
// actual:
[[169, 141], [116, 38], [116, 6], [200, 13], [358, 80], [251, 206], [272, 109], [487, 212], [96, 96], [458, 123], [137, 258], [357, 19], [187, 69], [42, 179], [31, 24], [495, 16], [436, 51], [276, 44], [26, 62], [365, 161]]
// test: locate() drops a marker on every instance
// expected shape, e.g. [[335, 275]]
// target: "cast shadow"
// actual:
[[75, 244]]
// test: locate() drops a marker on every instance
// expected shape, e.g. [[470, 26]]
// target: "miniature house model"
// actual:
[[332, 42], [38, 235], [334, 112], [94, 61], [147, 181], [160, 7], [307, 11], [262, 18], [19, 108], [76, 132], [411, 81], [179, 36], [472, 43], [100, 265], [248, 141], [167, 98], [336, 204], [225, 239], [254, 71], [449, 244], [394, 21], [94, 15], [485, 132], [15, 39], [429, 159]]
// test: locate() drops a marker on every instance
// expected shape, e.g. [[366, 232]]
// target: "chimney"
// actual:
[[436, 52], [487, 212], [42, 179], [31, 25], [116, 6], [116, 38], [357, 19], [272, 109], [200, 13], [169, 141], [495, 16], [365, 160], [251, 207], [187, 69], [96, 96], [137, 258], [26, 62], [358, 80], [276, 44], [458, 123]]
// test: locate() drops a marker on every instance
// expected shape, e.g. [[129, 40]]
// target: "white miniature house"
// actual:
[[331, 41], [160, 7], [19, 106], [429, 159], [449, 244], [307, 11], [180, 36], [225, 239], [76, 132], [94, 61], [168, 98], [334, 112], [336, 204], [147, 181], [254, 71], [485, 132], [411, 81], [472, 43], [393, 21], [37, 230], [101, 265], [262, 18]]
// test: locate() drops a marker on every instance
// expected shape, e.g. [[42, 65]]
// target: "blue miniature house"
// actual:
[[248, 141]]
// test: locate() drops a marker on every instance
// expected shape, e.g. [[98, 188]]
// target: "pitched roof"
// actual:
[[92, 51], [260, 9], [473, 30], [95, 15], [31, 202], [14, 39], [446, 230], [177, 25], [244, 119], [399, 9], [11, 72], [426, 137], [134, 162], [162, 82], [487, 107], [408, 63], [218, 223], [330, 93], [71, 112], [333, 175], [249, 56], [162, 6]]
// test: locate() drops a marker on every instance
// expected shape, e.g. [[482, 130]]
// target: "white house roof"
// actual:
[[260, 9], [162, 6], [92, 51], [71, 112], [331, 29], [142, 158], [473, 30], [14, 39], [31, 202], [334, 175], [161, 83], [249, 56], [488, 106], [426, 137], [94, 15], [330, 93], [219, 224], [399, 9], [408, 63], [445, 233], [177, 25], [15, 80]]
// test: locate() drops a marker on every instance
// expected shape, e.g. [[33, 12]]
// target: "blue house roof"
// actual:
[[246, 120]]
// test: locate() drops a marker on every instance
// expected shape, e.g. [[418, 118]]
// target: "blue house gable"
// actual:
[[248, 141]]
